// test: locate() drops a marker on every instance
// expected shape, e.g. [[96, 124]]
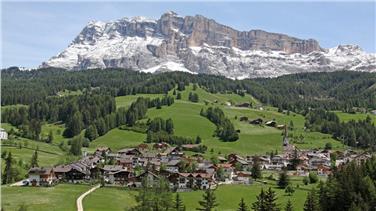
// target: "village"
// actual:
[[129, 167]]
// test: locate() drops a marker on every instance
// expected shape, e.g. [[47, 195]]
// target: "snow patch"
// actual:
[[170, 66]]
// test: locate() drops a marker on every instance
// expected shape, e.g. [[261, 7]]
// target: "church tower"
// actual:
[[285, 138]]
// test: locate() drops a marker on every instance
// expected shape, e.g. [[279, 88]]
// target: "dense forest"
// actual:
[[351, 187], [361, 133], [95, 113], [297, 92]]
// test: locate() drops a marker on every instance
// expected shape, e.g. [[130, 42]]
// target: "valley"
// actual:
[[253, 140]]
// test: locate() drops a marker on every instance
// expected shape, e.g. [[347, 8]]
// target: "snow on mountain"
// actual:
[[200, 45], [168, 66]]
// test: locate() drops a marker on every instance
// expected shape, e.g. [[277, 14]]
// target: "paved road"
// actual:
[[79, 200]]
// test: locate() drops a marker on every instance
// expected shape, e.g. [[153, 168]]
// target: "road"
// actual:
[[79, 200]]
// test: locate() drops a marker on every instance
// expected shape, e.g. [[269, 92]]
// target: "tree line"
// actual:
[[225, 129], [160, 130], [361, 133], [341, 90]]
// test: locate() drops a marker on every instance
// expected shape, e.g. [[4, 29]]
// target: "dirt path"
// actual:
[[79, 200]]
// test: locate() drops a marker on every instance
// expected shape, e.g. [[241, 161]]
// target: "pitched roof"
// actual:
[[113, 167], [40, 171], [62, 168]]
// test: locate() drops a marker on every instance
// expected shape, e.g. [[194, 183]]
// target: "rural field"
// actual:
[[60, 198], [63, 197]]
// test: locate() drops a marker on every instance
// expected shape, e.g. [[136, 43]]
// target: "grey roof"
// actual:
[[40, 171], [113, 168]]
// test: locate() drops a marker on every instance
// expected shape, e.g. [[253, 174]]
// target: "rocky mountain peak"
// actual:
[[201, 45]]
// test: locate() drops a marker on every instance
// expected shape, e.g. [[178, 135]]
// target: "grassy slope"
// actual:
[[189, 123], [57, 131], [358, 116], [59, 198], [44, 159], [117, 139], [253, 139], [125, 101]]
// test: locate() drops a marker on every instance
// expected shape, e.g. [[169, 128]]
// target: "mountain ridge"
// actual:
[[201, 45]]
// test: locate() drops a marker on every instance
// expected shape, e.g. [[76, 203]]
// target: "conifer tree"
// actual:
[[242, 206], [179, 206], [50, 137], [7, 175], [256, 168], [289, 206], [311, 203], [208, 202], [283, 180], [34, 159]]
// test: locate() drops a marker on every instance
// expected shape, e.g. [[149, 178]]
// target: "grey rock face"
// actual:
[[200, 45]]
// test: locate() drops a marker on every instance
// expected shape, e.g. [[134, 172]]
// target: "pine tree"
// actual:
[[295, 161], [270, 200], [179, 206], [7, 175], [289, 190], [50, 137], [35, 128], [91, 133], [34, 159], [74, 125], [283, 180], [76, 146], [311, 203], [259, 204], [198, 140], [178, 96], [256, 168], [169, 126], [291, 125], [242, 206], [209, 201], [289, 206]]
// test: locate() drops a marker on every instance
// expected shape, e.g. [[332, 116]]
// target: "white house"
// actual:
[[3, 134], [41, 176]]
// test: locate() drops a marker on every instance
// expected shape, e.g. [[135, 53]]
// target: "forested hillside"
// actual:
[[336, 90]]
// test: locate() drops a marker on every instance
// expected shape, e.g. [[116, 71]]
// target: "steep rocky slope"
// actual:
[[200, 45]]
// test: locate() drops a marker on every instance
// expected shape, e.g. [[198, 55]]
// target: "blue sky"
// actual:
[[33, 32]]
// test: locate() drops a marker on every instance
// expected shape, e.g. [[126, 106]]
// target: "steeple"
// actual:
[[285, 137]]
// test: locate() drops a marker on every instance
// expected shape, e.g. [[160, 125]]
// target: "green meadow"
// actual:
[[61, 197], [357, 116], [228, 197], [117, 139]]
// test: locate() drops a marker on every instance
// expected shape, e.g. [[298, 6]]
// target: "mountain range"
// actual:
[[196, 44]]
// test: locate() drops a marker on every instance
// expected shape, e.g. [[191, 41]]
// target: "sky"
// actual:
[[32, 32]]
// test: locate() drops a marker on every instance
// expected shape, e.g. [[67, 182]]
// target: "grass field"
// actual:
[[25, 154], [57, 131], [110, 199], [125, 101], [117, 139], [228, 197], [357, 116], [68, 93], [253, 139], [59, 198]]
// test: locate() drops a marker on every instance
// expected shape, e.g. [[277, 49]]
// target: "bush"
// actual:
[[305, 180], [313, 178], [328, 146]]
